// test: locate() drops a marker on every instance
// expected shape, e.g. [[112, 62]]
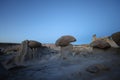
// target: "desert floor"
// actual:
[[78, 67]]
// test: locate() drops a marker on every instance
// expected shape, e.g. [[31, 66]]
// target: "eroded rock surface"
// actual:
[[116, 37], [100, 44], [52, 67]]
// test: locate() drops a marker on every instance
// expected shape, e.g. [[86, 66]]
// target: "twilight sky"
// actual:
[[47, 20]]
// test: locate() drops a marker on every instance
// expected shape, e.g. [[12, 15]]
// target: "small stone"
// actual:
[[97, 68], [92, 69]]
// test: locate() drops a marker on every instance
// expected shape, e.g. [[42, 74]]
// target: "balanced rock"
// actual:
[[66, 47], [65, 40], [34, 44]]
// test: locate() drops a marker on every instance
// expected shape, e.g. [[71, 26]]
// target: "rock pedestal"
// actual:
[[23, 51], [66, 51]]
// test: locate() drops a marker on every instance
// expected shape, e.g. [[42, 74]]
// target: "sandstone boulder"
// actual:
[[34, 44], [65, 40], [100, 44]]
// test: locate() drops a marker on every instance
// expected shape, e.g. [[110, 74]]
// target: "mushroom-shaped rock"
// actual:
[[116, 38], [65, 40], [66, 47], [100, 44], [34, 44]]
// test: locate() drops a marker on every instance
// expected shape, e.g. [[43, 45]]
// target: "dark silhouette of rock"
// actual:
[[116, 37], [65, 40], [100, 44]]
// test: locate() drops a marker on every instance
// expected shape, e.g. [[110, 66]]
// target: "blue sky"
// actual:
[[47, 20]]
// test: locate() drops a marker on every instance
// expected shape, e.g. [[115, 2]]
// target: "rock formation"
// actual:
[[94, 38], [66, 47], [107, 39], [12, 49], [66, 51], [100, 44], [20, 57], [30, 43], [29, 48], [34, 44], [65, 40], [82, 50], [116, 37], [111, 42], [24, 51]]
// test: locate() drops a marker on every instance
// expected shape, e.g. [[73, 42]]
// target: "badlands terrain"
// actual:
[[99, 60]]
